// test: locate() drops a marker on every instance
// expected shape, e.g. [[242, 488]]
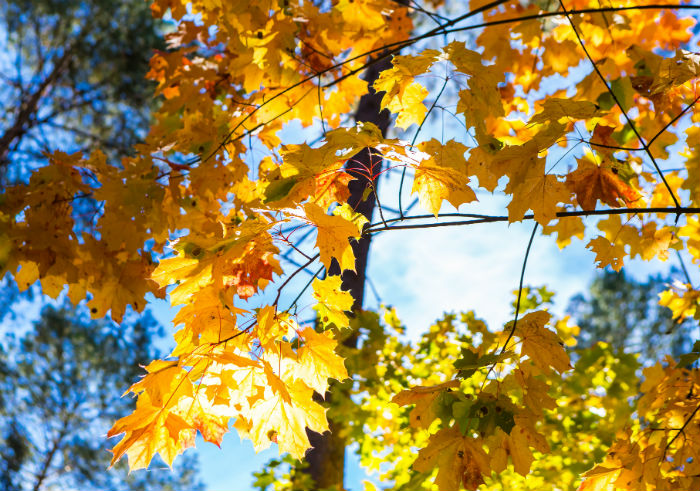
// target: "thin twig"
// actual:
[[520, 289], [294, 302], [415, 137], [289, 278], [683, 268], [687, 421], [661, 131]]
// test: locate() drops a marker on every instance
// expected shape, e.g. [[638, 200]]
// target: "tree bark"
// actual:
[[327, 456]]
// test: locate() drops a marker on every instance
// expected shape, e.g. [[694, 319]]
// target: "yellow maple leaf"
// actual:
[[555, 109], [566, 228], [119, 283], [691, 230], [422, 415], [333, 239], [275, 382], [683, 301], [517, 447], [208, 318], [487, 166], [402, 94], [164, 383], [685, 65], [622, 468], [332, 301], [607, 253], [461, 461], [482, 100], [150, 430], [307, 171], [210, 419], [239, 256], [318, 361], [274, 419], [540, 344], [622, 234], [273, 326], [535, 392], [692, 163], [26, 276], [443, 176], [655, 243], [533, 189], [192, 276], [600, 478], [346, 211], [660, 197], [409, 105]]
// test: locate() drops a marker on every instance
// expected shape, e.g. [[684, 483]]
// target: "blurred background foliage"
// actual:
[[612, 331], [61, 383], [72, 77]]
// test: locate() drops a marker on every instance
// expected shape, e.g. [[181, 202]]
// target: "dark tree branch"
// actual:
[[476, 219]]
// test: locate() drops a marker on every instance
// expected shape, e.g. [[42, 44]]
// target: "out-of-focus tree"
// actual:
[[72, 76], [625, 313], [60, 388]]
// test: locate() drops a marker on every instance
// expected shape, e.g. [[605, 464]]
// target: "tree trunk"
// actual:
[[327, 456]]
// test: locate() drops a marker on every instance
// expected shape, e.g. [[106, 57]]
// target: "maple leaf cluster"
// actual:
[[572, 111]]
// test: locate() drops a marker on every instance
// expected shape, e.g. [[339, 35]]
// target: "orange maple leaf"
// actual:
[[591, 182]]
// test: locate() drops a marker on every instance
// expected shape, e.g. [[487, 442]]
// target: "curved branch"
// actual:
[[520, 288], [476, 219]]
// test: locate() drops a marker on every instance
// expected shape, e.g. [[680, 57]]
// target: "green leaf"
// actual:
[[279, 189], [624, 92], [460, 412], [623, 136], [687, 359], [690, 358], [486, 415], [605, 101], [470, 362], [442, 405]]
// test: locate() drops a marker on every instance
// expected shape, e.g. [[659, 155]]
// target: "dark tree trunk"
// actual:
[[327, 456]]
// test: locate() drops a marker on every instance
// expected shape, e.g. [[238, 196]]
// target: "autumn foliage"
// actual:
[[582, 114]]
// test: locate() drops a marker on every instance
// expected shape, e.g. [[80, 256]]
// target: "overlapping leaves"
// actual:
[[214, 173]]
